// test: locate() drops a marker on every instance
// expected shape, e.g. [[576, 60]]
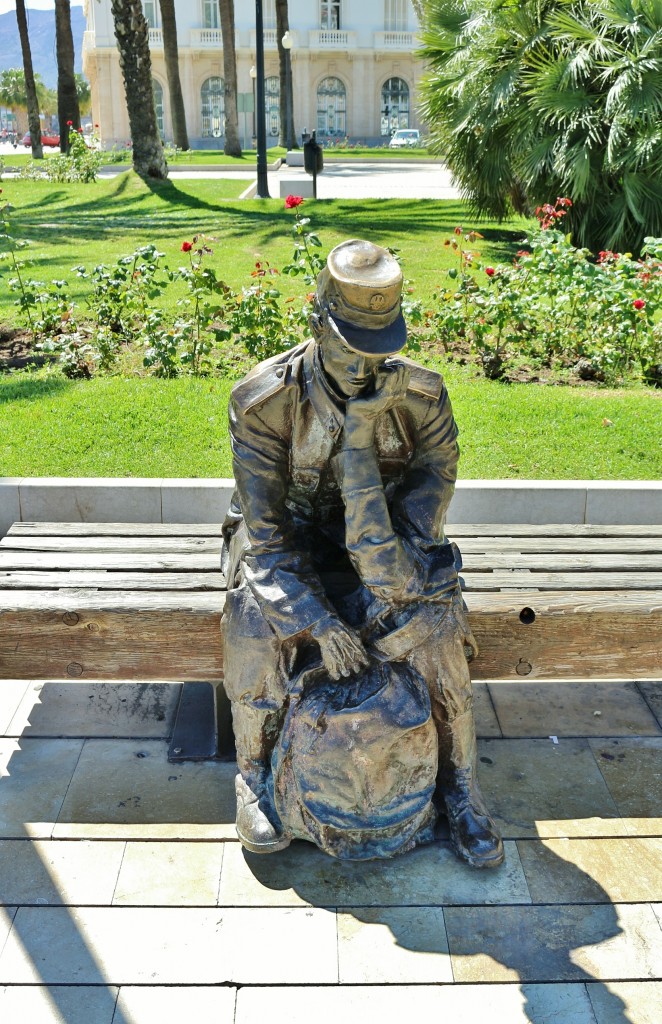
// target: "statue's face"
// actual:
[[350, 373]]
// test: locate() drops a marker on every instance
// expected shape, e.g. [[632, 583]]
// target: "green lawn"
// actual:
[[72, 224], [50, 426]]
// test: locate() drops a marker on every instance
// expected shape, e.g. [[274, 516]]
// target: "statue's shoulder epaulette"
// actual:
[[424, 381], [266, 380]]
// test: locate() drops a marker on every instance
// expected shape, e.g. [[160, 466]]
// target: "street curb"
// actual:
[[193, 500]]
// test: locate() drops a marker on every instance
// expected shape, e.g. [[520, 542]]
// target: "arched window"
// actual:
[[269, 13], [331, 107], [272, 104], [210, 14], [395, 105], [212, 96], [157, 89]]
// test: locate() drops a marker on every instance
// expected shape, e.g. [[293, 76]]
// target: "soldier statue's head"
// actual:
[[357, 320]]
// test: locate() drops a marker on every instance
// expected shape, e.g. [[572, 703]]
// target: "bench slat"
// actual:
[[145, 545], [115, 529], [111, 580], [505, 580], [54, 560]]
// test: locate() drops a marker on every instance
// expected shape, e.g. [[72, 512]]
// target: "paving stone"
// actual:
[[36, 1004], [7, 915], [97, 709], [651, 690], [484, 714], [617, 1001], [166, 1005], [170, 874], [303, 875], [557, 943], [126, 789], [540, 788], [593, 870], [34, 776], [45, 871], [394, 1004], [170, 945], [11, 693], [395, 945], [632, 769], [572, 708], [115, 945]]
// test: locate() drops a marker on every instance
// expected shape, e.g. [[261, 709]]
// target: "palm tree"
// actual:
[[32, 102], [132, 35], [542, 99], [231, 146], [287, 134], [68, 111], [171, 54], [12, 95]]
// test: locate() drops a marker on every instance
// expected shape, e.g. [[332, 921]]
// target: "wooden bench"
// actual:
[[98, 601]]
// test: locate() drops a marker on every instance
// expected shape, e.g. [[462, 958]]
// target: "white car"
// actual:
[[405, 137]]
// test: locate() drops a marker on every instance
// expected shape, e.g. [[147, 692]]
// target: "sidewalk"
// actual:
[[127, 898]]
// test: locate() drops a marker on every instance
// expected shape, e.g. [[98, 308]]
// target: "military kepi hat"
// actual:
[[361, 287]]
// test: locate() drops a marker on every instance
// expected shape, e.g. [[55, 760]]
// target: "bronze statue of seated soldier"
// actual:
[[345, 629]]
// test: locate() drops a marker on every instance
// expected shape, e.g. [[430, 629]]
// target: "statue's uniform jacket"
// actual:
[[303, 507], [285, 431]]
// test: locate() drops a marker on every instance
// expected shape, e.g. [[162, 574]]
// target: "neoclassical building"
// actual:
[[354, 70]]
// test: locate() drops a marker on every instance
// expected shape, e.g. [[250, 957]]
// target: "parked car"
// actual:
[[47, 139], [405, 137]]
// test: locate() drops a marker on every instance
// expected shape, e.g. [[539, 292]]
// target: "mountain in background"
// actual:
[[41, 26]]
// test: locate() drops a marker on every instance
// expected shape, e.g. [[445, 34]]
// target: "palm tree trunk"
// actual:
[[287, 136], [171, 54], [132, 35], [30, 87], [232, 145], [67, 96]]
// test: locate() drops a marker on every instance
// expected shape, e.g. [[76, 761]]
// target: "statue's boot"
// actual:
[[258, 826], [474, 835]]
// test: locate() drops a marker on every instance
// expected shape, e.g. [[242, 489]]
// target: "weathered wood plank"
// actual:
[[562, 545], [503, 580], [146, 545], [455, 530], [111, 560], [104, 636], [90, 602], [114, 529], [107, 580], [568, 563], [137, 644]]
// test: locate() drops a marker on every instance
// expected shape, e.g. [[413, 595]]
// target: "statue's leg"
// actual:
[[442, 662], [255, 687]]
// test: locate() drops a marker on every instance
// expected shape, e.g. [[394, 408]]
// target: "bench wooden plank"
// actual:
[[561, 545], [455, 530], [106, 580], [113, 529], [507, 579], [118, 560], [146, 545]]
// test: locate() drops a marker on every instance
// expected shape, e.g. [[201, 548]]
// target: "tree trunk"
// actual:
[[232, 146], [171, 54], [132, 35], [30, 87], [67, 95], [287, 136]]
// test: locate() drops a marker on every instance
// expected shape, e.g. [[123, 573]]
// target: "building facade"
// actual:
[[354, 71]]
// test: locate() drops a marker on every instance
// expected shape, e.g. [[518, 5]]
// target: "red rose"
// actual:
[[70, 123], [639, 303], [292, 201], [187, 246], [489, 271]]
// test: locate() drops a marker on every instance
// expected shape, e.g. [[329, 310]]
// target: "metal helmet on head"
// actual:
[[361, 289]]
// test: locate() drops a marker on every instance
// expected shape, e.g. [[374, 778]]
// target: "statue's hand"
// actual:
[[362, 412], [340, 647]]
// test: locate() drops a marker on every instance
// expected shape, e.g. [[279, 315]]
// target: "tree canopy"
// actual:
[[528, 100]]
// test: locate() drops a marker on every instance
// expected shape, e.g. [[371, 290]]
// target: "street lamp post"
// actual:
[[253, 74], [262, 183], [287, 42]]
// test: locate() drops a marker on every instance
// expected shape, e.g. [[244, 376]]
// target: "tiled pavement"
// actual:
[[126, 898]]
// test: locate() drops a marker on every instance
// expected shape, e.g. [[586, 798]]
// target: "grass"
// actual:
[[77, 224], [50, 426]]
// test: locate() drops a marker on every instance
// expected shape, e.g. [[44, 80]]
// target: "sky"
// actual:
[[42, 5]]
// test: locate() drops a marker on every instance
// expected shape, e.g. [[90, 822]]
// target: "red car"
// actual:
[[46, 140]]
